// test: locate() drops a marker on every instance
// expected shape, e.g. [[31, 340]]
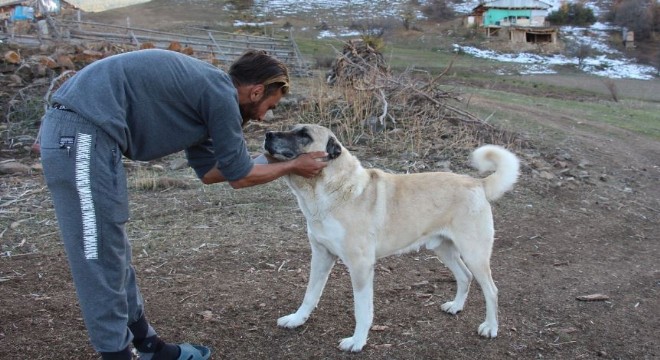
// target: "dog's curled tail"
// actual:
[[504, 164]]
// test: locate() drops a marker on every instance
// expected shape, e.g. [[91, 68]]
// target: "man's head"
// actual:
[[261, 81]]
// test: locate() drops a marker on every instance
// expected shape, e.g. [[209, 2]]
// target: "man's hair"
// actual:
[[258, 67]]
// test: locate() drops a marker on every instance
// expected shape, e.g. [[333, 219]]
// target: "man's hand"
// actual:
[[306, 165], [310, 164]]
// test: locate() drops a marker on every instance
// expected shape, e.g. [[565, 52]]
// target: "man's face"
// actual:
[[256, 110]]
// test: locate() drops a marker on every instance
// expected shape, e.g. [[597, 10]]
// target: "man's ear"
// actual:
[[257, 92], [333, 148]]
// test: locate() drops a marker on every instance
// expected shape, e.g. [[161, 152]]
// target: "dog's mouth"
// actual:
[[283, 156]]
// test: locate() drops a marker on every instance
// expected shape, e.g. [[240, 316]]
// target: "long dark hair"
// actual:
[[258, 67]]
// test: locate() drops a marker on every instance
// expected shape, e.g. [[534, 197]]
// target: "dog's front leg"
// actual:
[[322, 263], [362, 278]]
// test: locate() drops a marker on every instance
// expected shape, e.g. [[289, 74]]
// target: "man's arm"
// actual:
[[306, 165]]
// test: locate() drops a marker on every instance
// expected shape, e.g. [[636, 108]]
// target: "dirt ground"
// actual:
[[218, 266]]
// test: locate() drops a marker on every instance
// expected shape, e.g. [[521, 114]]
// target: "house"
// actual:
[[519, 21], [53, 6], [27, 10], [513, 12], [20, 17], [23, 16], [7, 9]]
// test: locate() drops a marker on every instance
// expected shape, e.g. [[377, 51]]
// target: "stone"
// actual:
[[14, 167], [12, 57], [546, 175]]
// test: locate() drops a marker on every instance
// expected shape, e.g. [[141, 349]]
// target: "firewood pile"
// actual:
[[29, 75], [23, 65], [358, 62], [363, 68]]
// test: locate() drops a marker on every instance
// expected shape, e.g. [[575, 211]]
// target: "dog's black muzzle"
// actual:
[[282, 145], [287, 145]]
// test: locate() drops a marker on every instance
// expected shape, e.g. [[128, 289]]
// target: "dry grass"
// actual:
[[402, 114]]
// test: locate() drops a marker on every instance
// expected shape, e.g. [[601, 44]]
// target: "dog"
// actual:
[[360, 215]]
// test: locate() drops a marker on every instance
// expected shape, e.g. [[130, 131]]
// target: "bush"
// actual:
[[242, 4], [580, 51], [323, 61], [640, 16], [438, 10], [572, 14]]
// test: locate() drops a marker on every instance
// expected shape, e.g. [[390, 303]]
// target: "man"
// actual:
[[144, 105]]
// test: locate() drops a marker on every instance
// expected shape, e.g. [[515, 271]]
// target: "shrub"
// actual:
[[580, 51], [438, 10], [640, 16], [572, 14]]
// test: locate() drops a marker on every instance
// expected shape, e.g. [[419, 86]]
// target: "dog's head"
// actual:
[[302, 138]]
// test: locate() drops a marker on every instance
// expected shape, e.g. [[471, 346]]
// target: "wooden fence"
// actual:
[[205, 44]]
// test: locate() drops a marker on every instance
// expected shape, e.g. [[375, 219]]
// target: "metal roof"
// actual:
[[517, 4], [101, 5], [10, 2], [85, 5]]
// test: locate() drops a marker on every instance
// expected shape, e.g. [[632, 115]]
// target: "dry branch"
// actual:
[[414, 110]]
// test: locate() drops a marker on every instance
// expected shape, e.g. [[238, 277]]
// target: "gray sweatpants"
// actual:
[[86, 178]]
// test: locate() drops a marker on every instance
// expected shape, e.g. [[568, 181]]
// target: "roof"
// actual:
[[10, 2], [85, 5], [101, 5], [516, 4]]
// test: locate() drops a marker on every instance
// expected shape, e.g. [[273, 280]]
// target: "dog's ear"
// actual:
[[333, 148]]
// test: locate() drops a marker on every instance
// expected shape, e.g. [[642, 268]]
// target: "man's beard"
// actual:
[[249, 111]]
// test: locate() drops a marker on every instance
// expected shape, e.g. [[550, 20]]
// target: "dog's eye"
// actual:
[[304, 137]]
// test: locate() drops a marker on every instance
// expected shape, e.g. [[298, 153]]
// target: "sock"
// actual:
[[119, 355], [149, 345]]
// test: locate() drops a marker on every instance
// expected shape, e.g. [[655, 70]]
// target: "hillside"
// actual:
[[334, 21]]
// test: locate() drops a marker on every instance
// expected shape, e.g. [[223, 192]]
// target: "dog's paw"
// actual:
[[488, 330], [350, 344], [291, 321], [451, 307]]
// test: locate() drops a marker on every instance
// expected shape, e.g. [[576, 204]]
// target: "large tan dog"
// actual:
[[360, 215]]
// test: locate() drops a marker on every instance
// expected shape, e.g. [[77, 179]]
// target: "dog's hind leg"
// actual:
[[479, 263], [321, 265], [450, 256], [362, 279]]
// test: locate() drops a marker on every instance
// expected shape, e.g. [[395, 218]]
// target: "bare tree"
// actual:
[[580, 51], [611, 87], [639, 16]]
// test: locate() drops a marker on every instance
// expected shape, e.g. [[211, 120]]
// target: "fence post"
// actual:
[[296, 50], [53, 26], [215, 43], [137, 42]]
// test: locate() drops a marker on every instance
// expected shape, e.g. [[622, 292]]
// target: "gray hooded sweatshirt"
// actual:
[[158, 102]]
